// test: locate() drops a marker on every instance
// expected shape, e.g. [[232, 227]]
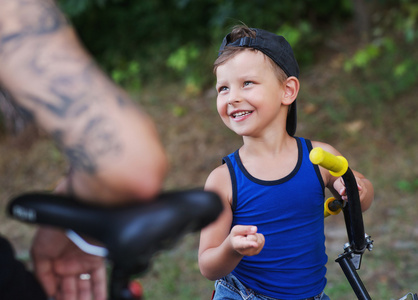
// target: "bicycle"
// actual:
[[119, 228], [358, 241], [130, 234]]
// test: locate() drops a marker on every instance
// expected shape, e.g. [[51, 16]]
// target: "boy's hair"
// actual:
[[275, 47]]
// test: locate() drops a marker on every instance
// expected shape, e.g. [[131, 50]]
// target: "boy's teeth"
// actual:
[[242, 113]]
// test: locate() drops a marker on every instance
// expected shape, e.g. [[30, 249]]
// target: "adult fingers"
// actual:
[[68, 288], [75, 262], [99, 284], [84, 287], [44, 273]]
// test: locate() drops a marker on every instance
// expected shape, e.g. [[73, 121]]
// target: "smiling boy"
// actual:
[[269, 241]]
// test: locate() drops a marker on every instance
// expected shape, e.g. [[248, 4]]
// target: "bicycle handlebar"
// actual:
[[338, 166], [332, 207]]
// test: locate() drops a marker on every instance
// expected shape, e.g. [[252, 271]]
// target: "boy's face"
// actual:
[[250, 95]]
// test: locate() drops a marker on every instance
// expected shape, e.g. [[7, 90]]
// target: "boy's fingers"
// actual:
[[244, 229], [263, 241], [252, 237]]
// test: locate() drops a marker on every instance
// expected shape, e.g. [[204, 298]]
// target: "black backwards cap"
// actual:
[[279, 50]]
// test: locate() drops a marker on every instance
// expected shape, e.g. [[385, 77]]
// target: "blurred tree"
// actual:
[[393, 41], [154, 33], [362, 18], [177, 40]]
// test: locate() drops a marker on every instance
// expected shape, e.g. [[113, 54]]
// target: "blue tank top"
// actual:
[[290, 214]]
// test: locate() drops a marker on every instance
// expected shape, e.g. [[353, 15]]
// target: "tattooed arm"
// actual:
[[112, 146]]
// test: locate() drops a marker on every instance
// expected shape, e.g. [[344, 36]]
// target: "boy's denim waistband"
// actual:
[[231, 288], [317, 297]]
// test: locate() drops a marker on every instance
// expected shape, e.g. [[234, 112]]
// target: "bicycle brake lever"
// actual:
[[413, 296]]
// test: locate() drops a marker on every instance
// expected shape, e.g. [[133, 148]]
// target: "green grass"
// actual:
[[174, 274]]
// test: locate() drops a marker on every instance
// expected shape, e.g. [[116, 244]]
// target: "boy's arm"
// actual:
[[222, 248], [336, 184]]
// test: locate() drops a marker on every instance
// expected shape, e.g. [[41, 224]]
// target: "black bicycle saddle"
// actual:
[[131, 233]]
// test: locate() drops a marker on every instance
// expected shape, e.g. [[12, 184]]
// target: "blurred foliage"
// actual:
[[155, 41], [127, 74], [408, 186], [179, 39], [388, 64]]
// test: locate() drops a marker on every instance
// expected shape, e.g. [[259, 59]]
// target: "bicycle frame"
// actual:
[[350, 259]]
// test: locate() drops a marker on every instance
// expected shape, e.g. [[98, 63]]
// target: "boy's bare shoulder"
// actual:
[[219, 181], [220, 174], [326, 147]]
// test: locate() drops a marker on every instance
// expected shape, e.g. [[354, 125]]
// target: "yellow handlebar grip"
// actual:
[[337, 165], [327, 210]]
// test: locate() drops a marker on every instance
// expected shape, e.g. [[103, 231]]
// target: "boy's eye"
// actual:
[[246, 83], [222, 89]]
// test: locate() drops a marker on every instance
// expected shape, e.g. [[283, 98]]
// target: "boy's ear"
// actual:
[[291, 90]]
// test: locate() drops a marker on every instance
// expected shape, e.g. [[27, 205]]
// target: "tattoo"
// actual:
[[69, 86], [64, 105], [98, 140], [80, 159], [122, 101], [78, 156], [103, 134], [35, 18], [73, 97]]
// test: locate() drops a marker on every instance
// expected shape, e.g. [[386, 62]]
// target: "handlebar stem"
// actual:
[[119, 289], [353, 214], [353, 278]]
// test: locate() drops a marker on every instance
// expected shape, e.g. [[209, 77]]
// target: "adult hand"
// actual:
[[59, 263]]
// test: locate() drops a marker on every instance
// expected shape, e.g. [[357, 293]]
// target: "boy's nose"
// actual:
[[234, 98]]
